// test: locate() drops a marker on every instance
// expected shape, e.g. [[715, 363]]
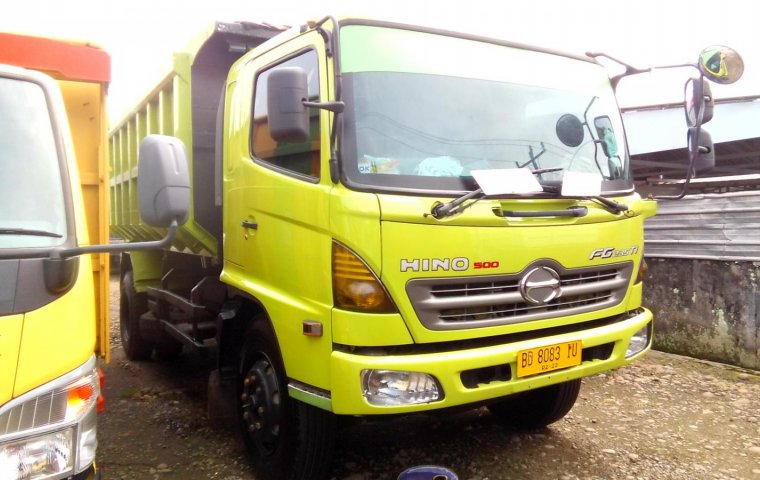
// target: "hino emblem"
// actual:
[[458, 264], [540, 285]]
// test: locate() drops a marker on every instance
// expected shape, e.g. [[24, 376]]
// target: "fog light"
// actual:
[[389, 387], [39, 457], [639, 341]]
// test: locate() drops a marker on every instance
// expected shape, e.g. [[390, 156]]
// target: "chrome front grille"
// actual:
[[483, 301]]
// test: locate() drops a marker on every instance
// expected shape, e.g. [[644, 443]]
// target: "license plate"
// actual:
[[548, 358]]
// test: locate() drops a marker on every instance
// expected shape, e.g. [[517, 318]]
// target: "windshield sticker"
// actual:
[[507, 181], [581, 184]]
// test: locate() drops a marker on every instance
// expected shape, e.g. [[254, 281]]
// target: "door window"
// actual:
[[301, 158]]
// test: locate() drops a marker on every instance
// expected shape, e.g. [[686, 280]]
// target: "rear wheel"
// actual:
[[284, 438], [131, 305], [537, 408]]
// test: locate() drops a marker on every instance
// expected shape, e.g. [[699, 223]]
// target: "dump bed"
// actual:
[[184, 104]]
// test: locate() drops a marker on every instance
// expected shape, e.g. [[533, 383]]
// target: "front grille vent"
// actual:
[[473, 302]]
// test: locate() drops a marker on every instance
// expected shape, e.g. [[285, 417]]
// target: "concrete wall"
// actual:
[[707, 309]]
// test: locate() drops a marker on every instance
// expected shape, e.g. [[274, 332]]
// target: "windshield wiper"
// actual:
[[611, 205], [443, 210], [460, 204], [29, 232]]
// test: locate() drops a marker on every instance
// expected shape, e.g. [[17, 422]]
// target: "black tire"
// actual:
[[131, 305], [536, 409], [284, 438]]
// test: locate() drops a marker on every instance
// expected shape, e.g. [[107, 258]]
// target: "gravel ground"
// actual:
[[665, 417]]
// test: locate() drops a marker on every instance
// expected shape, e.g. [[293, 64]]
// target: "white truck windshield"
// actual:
[[32, 210]]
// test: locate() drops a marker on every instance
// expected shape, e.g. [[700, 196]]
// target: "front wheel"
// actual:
[[284, 438], [537, 408], [131, 305]]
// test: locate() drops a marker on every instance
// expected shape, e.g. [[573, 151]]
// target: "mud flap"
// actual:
[[221, 397]]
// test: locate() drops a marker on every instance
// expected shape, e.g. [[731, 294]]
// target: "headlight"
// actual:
[[640, 341], [52, 430], [389, 387], [38, 457]]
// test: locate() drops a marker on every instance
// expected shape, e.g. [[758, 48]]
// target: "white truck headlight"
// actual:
[[52, 430], [390, 387], [40, 456]]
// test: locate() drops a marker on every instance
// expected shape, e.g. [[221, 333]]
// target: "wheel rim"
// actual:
[[261, 406]]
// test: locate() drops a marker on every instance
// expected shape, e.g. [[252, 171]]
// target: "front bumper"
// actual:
[[448, 367]]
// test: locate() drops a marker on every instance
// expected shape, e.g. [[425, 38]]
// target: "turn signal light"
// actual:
[[643, 270], [355, 287]]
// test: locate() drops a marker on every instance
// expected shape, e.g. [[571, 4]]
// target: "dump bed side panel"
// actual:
[[183, 104]]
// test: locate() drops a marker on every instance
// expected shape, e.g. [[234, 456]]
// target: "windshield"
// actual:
[[32, 212], [424, 110]]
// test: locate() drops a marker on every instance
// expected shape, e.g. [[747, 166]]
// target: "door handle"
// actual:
[[250, 224]]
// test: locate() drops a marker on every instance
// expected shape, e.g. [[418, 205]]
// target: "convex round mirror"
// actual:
[[570, 130], [721, 64]]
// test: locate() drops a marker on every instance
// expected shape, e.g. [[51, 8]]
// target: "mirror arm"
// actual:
[[332, 45], [125, 247], [685, 185], [629, 69], [335, 107], [682, 194]]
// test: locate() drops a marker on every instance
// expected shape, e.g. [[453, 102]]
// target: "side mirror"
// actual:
[[606, 135], [698, 102], [163, 187], [721, 64], [287, 88], [701, 150], [163, 183]]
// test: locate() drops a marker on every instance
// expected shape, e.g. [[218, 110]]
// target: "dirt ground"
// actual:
[[665, 417]]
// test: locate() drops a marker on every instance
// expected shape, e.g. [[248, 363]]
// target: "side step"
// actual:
[[182, 332], [184, 320]]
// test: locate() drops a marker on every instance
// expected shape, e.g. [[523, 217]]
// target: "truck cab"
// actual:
[[53, 312]]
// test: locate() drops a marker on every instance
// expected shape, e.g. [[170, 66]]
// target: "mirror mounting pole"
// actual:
[[335, 107], [693, 153], [334, 42], [62, 253]]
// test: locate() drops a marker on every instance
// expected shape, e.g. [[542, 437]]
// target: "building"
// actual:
[[703, 250]]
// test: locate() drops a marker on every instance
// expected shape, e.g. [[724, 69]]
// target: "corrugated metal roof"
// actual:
[[662, 128], [657, 140]]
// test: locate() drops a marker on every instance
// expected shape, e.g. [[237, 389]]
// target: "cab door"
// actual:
[[277, 245]]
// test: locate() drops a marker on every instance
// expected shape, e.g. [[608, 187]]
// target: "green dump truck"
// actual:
[[384, 219]]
